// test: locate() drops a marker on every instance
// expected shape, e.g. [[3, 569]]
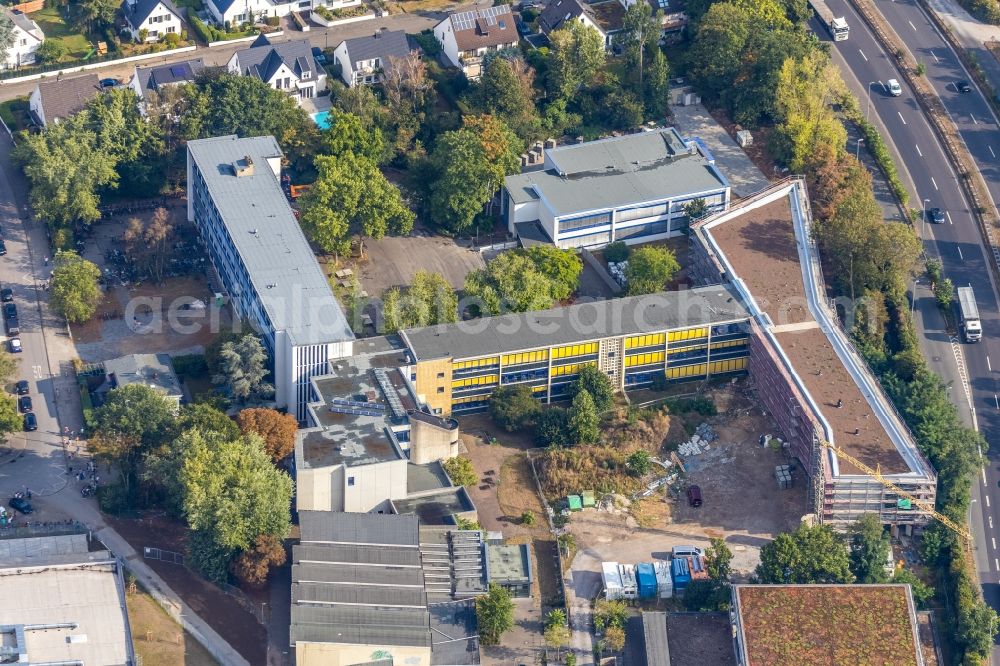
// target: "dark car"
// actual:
[[9, 311], [963, 86], [7, 295], [319, 55], [3, 247], [21, 504], [22, 388], [30, 422], [935, 215], [694, 496], [14, 346], [13, 326], [24, 404], [110, 83]]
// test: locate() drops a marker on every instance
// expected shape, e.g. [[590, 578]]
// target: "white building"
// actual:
[[27, 38], [154, 79], [157, 17], [364, 60], [631, 188], [237, 12], [288, 66], [264, 262], [467, 36]]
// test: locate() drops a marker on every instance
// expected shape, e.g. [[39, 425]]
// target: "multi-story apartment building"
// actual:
[[677, 336], [264, 262], [631, 188]]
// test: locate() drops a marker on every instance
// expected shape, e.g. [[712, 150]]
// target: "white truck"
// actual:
[[837, 25], [972, 328]]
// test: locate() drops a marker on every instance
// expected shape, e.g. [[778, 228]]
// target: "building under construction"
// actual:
[[805, 370]]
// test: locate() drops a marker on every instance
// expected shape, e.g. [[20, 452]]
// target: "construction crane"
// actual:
[[922, 504]]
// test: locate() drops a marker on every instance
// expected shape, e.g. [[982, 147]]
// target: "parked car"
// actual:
[[24, 404], [21, 504], [686, 551], [894, 88], [935, 216], [22, 388], [30, 422], [694, 496], [319, 55], [14, 346], [3, 247], [13, 326], [7, 295], [110, 83], [9, 311], [963, 86]]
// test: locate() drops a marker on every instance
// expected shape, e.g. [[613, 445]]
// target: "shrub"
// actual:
[[201, 31], [460, 471], [616, 252], [273, 21], [189, 365], [173, 40], [428, 43]]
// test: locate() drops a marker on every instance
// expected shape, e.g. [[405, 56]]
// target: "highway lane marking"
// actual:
[[960, 253], [988, 364], [948, 215], [934, 182], [997, 563], [918, 150], [983, 470], [901, 117], [987, 501], [912, 26], [991, 151], [974, 121], [864, 56], [994, 540], [996, 399], [934, 56], [991, 521]]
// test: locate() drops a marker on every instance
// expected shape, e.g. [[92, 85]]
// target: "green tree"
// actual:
[[977, 626], [556, 632], [716, 54], [6, 35], [718, 560], [232, 495], [73, 290], [712, 594], [243, 367], [509, 283], [649, 270], [584, 421], [617, 252], [461, 471], [809, 555], [869, 548], [528, 518], [136, 145], [695, 208], [468, 166], [514, 407], [657, 89], [10, 419], [609, 613], [208, 420], [429, 300], [552, 428], [576, 57], [495, 613], [641, 30], [922, 592], [640, 463], [511, 98], [597, 384], [96, 14], [562, 267], [50, 51], [9, 364], [348, 135]]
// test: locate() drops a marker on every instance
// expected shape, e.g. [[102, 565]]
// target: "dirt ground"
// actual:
[[158, 640], [238, 627]]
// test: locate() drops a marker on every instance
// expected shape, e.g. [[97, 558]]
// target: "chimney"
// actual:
[[243, 167]]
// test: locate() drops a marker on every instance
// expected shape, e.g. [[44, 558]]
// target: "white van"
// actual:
[[686, 551], [894, 88]]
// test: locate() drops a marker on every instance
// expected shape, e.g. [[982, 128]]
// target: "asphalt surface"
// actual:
[[958, 243]]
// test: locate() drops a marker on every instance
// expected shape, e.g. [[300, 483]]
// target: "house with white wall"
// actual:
[[54, 100], [287, 66], [467, 36], [364, 60], [26, 40], [157, 17], [237, 12], [153, 79], [605, 17]]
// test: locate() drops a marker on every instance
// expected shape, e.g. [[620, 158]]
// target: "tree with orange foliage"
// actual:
[[252, 565], [275, 428]]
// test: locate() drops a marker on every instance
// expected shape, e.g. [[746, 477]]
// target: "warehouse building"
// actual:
[[263, 261], [630, 188]]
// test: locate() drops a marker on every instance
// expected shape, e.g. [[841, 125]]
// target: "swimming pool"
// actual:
[[322, 119]]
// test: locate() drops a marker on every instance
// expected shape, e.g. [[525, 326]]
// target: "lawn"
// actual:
[[56, 29], [158, 640], [15, 113]]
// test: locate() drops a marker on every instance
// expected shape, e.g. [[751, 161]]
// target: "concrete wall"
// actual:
[[364, 488], [314, 489], [334, 654], [428, 443]]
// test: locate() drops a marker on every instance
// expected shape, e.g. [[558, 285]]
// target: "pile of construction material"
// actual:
[[617, 270], [783, 475], [699, 442]]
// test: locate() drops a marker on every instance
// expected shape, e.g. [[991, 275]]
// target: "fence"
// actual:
[[38, 528], [162, 555]]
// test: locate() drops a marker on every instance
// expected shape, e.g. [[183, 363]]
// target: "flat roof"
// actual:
[[153, 370], [618, 171], [508, 563], [423, 478], [289, 283], [827, 625], [435, 508], [581, 322], [455, 633], [87, 598], [760, 247], [700, 639]]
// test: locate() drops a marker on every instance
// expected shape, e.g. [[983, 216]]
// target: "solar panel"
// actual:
[[395, 404], [178, 70], [467, 20], [355, 411], [355, 403]]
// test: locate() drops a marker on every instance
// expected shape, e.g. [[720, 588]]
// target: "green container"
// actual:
[[904, 504], [588, 498], [575, 503]]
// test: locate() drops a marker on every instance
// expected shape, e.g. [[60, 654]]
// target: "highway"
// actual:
[[958, 243]]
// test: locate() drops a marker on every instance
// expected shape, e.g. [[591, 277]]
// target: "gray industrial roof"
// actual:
[[578, 323], [318, 572], [358, 528], [290, 284], [508, 563], [359, 625], [615, 172], [436, 508], [455, 633]]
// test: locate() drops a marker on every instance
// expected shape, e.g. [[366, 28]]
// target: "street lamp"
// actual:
[[869, 111], [857, 151]]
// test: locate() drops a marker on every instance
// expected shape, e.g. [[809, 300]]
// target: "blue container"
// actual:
[[645, 577], [681, 573]]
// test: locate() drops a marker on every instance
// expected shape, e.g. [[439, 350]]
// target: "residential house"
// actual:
[[236, 12], [467, 36], [57, 99], [26, 40], [157, 17], [152, 370], [153, 79], [363, 60], [605, 17], [288, 66]]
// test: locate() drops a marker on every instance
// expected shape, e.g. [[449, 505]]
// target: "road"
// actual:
[[958, 243]]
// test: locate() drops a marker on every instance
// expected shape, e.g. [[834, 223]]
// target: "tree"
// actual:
[[136, 146], [148, 245], [405, 83], [610, 613], [649, 270], [614, 638], [597, 384], [501, 92], [527, 517], [657, 88], [9, 364], [96, 14], [562, 267], [232, 495], [495, 613], [73, 290], [429, 300], [509, 283], [641, 30], [977, 626], [252, 565], [514, 407], [556, 632], [584, 422], [716, 54], [242, 368], [695, 208], [718, 560], [469, 165], [352, 196], [275, 428], [50, 51], [577, 55], [10, 418], [922, 592], [809, 555], [870, 548], [552, 428], [6, 35], [712, 594], [639, 463], [347, 135], [461, 471], [617, 252]]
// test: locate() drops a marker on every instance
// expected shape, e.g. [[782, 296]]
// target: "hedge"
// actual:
[[876, 146]]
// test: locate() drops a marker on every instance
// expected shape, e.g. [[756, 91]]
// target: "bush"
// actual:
[[616, 252], [513, 407], [201, 31], [114, 499], [428, 43], [173, 40], [551, 428], [189, 365], [460, 471], [876, 146], [273, 21]]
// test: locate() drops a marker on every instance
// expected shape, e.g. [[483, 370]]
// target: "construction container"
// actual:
[[696, 564], [574, 502], [681, 573], [645, 577], [664, 583], [588, 499], [612, 581], [630, 588]]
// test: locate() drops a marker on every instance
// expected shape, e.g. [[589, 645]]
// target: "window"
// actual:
[[306, 75], [171, 28], [571, 224], [440, 389], [24, 42], [440, 375], [350, 481]]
